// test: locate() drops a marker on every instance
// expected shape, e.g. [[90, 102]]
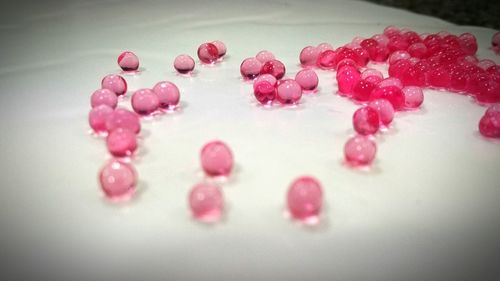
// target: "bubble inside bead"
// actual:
[[274, 67], [221, 48], [250, 68], [414, 96], [264, 56], [118, 180], [104, 96], [385, 110], [168, 95], [184, 64], [264, 92], [308, 56], [307, 79], [289, 92], [366, 121], [360, 151], [123, 118], [216, 159], [128, 61], [305, 199], [206, 202], [121, 142], [208, 53], [98, 117], [145, 101], [115, 83]]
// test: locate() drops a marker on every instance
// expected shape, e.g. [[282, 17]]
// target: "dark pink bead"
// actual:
[[289, 92], [145, 102], [417, 50], [308, 56], [468, 43], [412, 37], [326, 59], [98, 117], [372, 75], [362, 56], [414, 96], [345, 53], [274, 67], [385, 110], [485, 64], [216, 159], [250, 68], [413, 76], [264, 56], [438, 77], [362, 90], [115, 83], [264, 92], [398, 67], [121, 142], [489, 125], [208, 53], [323, 47], [168, 94], [381, 39], [495, 39], [184, 64], [360, 151], [118, 180], [477, 82], [366, 121], [221, 48], [397, 43], [390, 81], [128, 61], [490, 93], [399, 55], [347, 77], [307, 79], [206, 202], [123, 118], [103, 96], [458, 79], [392, 93], [265, 77], [305, 199]]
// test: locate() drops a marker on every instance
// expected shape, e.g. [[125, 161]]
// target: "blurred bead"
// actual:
[[98, 117], [274, 67], [390, 81], [128, 61], [118, 180], [208, 53], [206, 202], [221, 48], [168, 95], [414, 96], [362, 90], [385, 110], [307, 79], [250, 68], [264, 56], [326, 59], [103, 96], [347, 77], [145, 102], [372, 75], [417, 50], [366, 121], [399, 55], [184, 64], [308, 56], [323, 47], [360, 150], [392, 93], [438, 77], [121, 142], [123, 118], [305, 199], [115, 83], [216, 159], [289, 92]]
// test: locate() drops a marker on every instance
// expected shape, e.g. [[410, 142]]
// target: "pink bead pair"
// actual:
[[164, 96], [210, 53], [263, 63]]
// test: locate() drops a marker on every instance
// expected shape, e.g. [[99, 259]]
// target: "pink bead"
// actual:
[[323, 47], [221, 48], [381, 39], [184, 64], [485, 64], [399, 55], [121, 142], [490, 93], [308, 56], [305, 199], [495, 39], [468, 43], [326, 59], [372, 75], [216, 159], [265, 77], [345, 53], [392, 93], [123, 118], [362, 90], [438, 77], [128, 61], [118, 180], [115, 83], [363, 57], [168, 94], [346, 62], [145, 101], [250, 68], [98, 117], [366, 121], [206, 202], [103, 96], [307, 79], [289, 92], [414, 96], [398, 67], [208, 53], [391, 81], [264, 92], [360, 150], [264, 56], [417, 50], [391, 31], [347, 77], [489, 125], [274, 67], [357, 40], [385, 110]]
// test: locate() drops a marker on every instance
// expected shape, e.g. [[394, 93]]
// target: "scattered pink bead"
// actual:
[[206, 202], [128, 61], [326, 59], [264, 56], [438, 77], [308, 56], [123, 118], [414, 96], [417, 50], [216, 159], [184, 64], [121, 142], [495, 39], [362, 90], [264, 92], [346, 62], [366, 121], [289, 92], [118, 180], [274, 67], [307, 79], [390, 81], [372, 75], [208, 53], [265, 77], [385, 110], [360, 151], [392, 93], [250, 68], [115, 83], [168, 94], [145, 101], [221, 48], [98, 117], [103, 96], [305, 199], [381, 39], [347, 77], [399, 55]]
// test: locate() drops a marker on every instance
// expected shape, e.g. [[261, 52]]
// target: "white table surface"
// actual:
[[428, 210]]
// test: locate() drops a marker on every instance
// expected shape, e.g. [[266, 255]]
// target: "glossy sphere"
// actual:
[[399, 55], [264, 56], [327, 60], [168, 94], [221, 48], [208, 53], [391, 93], [360, 151], [308, 56], [372, 75], [366, 121], [128, 61], [206, 202], [98, 117], [289, 92], [438, 77], [115, 83], [118, 180], [418, 50], [145, 102], [305, 199], [414, 96], [323, 47], [264, 92], [347, 77], [489, 125], [123, 118], [307, 79], [385, 110], [121, 142], [103, 96], [250, 68], [216, 159], [265, 77], [184, 64], [273, 67], [390, 81]]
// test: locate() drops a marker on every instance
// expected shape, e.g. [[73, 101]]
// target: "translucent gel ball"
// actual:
[[305, 199], [118, 180], [206, 202], [216, 159]]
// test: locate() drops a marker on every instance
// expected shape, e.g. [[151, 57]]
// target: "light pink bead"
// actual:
[[118, 180], [347, 77], [206, 202], [145, 101], [305, 199], [360, 150], [123, 118], [381, 39], [289, 92], [184, 64], [385, 110], [128, 61], [485, 64], [250, 68], [264, 92], [104, 96], [115, 83], [216, 159], [390, 81], [264, 56], [391, 31], [168, 94], [366, 121], [414, 96], [372, 75], [357, 40], [307, 79], [221, 48], [308, 56], [399, 55], [98, 117], [323, 47], [274, 67], [208, 53], [265, 77], [121, 142]]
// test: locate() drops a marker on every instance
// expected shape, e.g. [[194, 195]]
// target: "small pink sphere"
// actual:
[[385, 110], [216, 159], [305, 199], [392, 93], [264, 92], [372, 75], [125, 119], [308, 56], [98, 117], [206, 202], [121, 142], [307, 79], [118, 180], [264, 56], [360, 150], [265, 77], [399, 55], [221, 48], [145, 101], [184, 64], [366, 121], [168, 94], [390, 81], [128, 61], [327, 59], [347, 77], [489, 125], [381, 39], [250, 68], [323, 47], [274, 67], [208, 53], [362, 90], [414, 96], [104, 96], [289, 92], [495, 39], [485, 64], [438, 78], [417, 50], [115, 83]]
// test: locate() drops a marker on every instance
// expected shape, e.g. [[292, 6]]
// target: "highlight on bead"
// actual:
[[114, 83], [305, 199], [128, 61], [145, 102], [206, 202], [118, 180], [184, 64], [217, 159]]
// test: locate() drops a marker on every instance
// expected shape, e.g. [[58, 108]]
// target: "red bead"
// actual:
[[385, 110], [121, 142], [208, 53], [360, 151], [362, 56], [250, 68], [128, 61], [489, 125], [288, 92], [274, 67], [326, 59], [392, 93], [413, 76], [398, 67], [216, 159], [366, 121], [264, 92], [490, 93], [458, 79], [362, 90], [347, 77], [417, 50], [206, 202], [184, 64], [438, 77], [345, 53], [98, 117], [305, 199]]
